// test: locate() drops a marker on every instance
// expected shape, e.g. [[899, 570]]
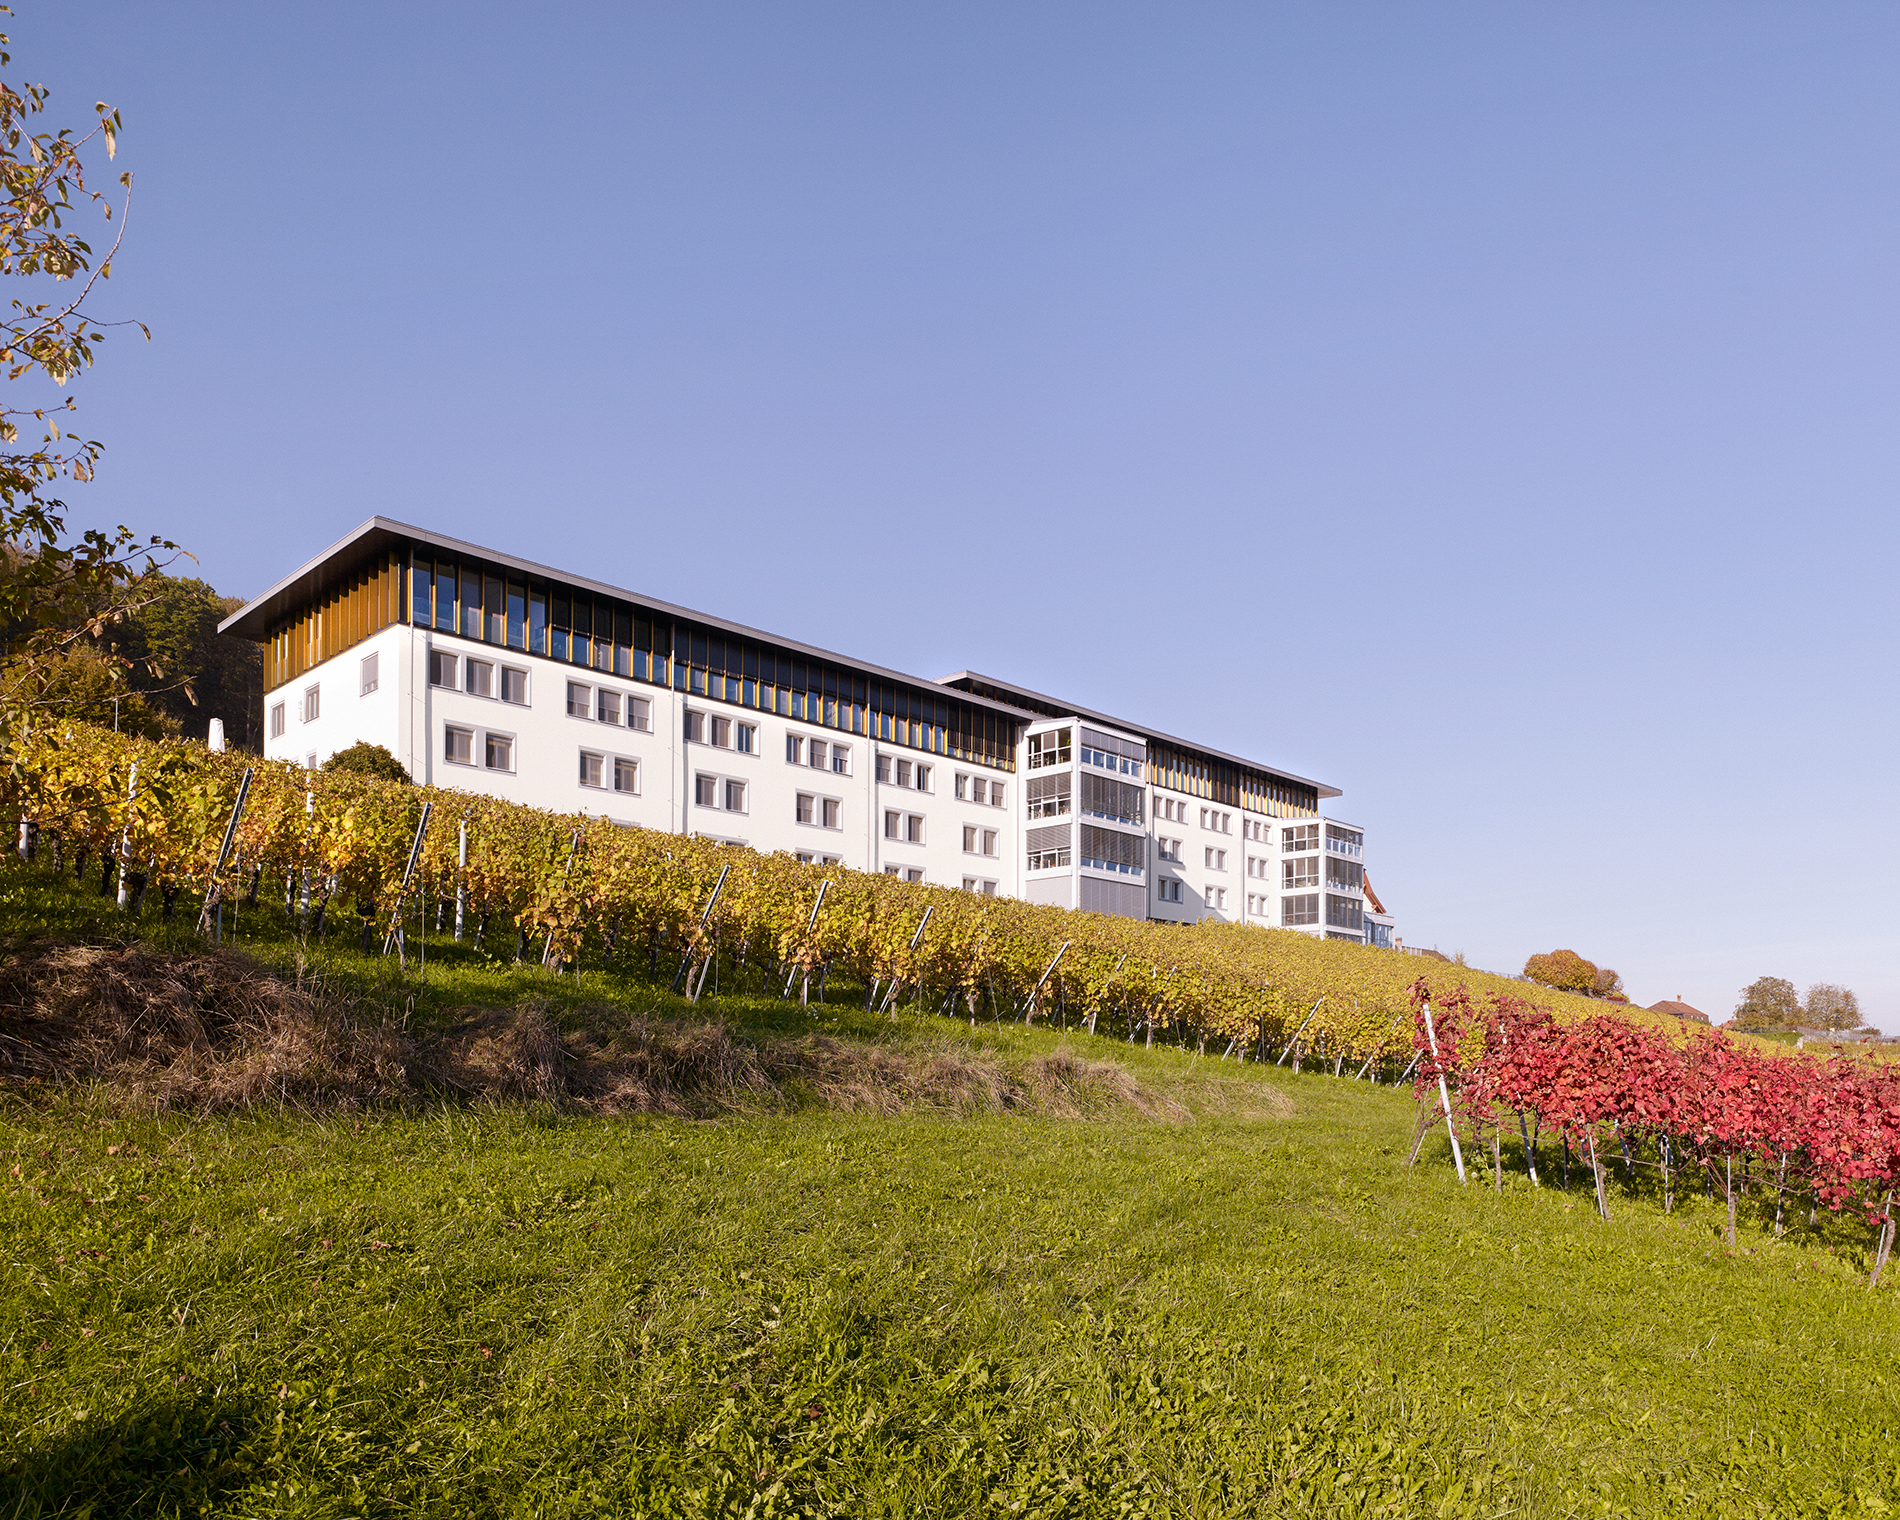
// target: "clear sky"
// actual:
[[1487, 409]]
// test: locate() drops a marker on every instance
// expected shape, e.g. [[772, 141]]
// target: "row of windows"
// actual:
[[979, 789], [820, 812], [601, 770], [807, 749], [605, 705], [722, 733], [480, 678], [468, 746], [1341, 912], [892, 771]]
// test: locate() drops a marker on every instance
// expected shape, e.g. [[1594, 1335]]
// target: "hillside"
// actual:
[[1136, 1281]]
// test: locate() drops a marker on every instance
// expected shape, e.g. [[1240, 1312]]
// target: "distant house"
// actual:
[[1677, 1009]]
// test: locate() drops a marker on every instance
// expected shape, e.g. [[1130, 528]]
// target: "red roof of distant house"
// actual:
[[1679, 1010], [1371, 896]]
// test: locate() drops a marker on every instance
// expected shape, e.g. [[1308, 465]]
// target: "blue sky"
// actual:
[[1488, 409]]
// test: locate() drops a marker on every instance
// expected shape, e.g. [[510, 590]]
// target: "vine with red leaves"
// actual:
[[1826, 1129]]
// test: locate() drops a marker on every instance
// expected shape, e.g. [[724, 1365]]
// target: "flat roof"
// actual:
[[307, 583], [1137, 728]]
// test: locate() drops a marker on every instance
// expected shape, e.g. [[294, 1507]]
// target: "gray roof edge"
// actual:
[[257, 606], [1141, 728]]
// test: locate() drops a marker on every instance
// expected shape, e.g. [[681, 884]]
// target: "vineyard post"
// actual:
[[1406, 1075], [309, 813], [811, 924], [461, 875], [1302, 1030], [1530, 1158], [125, 840], [1729, 1188], [1886, 1238], [1029, 1004], [1669, 1182], [1377, 1048], [1444, 1092], [214, 891], [687, 959], [548, 957], [1781, 1176], [916, 940], [1596, 1171], [394, 936]]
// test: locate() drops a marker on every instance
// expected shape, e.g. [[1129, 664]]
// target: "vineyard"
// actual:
[[1707, 1111], [408, 861]]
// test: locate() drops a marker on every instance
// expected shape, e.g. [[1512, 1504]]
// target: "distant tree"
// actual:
[[187, 669], [365, 759], [1606, 984], [1564, 970], [1830, 1007], [82, 685], [1768, 1002]]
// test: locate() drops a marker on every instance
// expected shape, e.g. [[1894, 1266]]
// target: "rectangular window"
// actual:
[[1300, 872], [514, 686], [748, 738], [370, 681], [517, 616], [580, 700], [607, 706], [1217, 898], [806, 808], [695, 728], [923, 778], [884, 770], [1295, 911], [820, 755], [722, 733], [1305, 837], [1344, 841], [962, 785], [499, 752], [312, 703], [491, 600], [479, 678], [706, 791], [639, 713], [1347, 875], [903, 773], [1051, 748], [458, 746], [1049, 796], [592, 769], [969, 839], [831, 812], [841, 759], [1344, 912], [441, 668], [1171, 891], [996, 794], [277, 721], [989, 841], [1049, 846], [913, 828], [893, 825], [913, 873], [471, 605], [627, 776], [735, 796], [794, 749]]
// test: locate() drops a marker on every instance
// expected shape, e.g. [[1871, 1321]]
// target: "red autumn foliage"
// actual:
[[1833, 1122]]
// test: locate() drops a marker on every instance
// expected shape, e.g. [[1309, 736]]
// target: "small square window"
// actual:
[[903, 773], [818, 754], [499, 753], [479, 678], [913, 873], [722, 733], [893, 825], [969, 838], [580, 700], [458, 746], [706, 791], [962, 786], [514, 686], [277, 721], [627, 776], [748, 738], [695, 728], [794, 749], [841, 759], [607, 706], [735, 796], [590, 769], [989, 841], [639, 712], [441, 668], [370, 672], [831, 813]]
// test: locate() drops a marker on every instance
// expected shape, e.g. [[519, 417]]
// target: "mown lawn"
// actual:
[[498, 1311]]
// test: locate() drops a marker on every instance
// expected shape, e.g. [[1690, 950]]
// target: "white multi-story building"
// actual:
[[490, 673]]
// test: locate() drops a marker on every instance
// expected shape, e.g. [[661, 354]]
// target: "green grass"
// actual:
[[496, 1311]]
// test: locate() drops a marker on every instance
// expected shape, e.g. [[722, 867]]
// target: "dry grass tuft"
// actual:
[[189, 1031], [211, 1030]]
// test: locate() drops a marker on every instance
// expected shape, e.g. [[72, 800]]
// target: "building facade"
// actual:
[[493, 674]]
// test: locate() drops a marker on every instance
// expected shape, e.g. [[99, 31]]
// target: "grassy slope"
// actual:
[[497, 1311]]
